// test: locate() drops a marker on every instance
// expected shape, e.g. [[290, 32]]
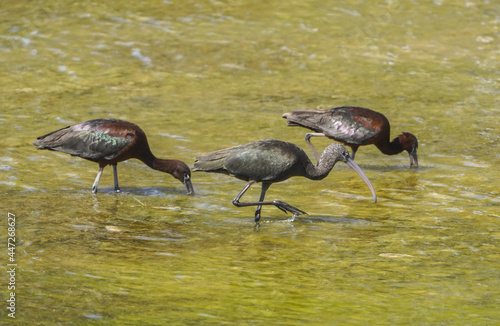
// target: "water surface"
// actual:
[[201, 76]]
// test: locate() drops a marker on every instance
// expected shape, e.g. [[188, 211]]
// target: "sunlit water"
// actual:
[[201, 76]]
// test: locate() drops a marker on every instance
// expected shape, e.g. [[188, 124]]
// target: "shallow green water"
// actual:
[[201, 76]]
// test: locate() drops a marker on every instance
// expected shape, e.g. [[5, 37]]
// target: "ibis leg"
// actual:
[[236, 200], [265, 186], [285, 207], [308, 141], [354, 149], [97, 178], [115, 174]]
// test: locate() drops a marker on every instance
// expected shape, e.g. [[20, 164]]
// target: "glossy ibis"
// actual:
[[270, 161], [109, 141], [354, 127]]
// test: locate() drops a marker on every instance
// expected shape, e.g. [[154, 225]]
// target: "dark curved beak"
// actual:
[[189, 186], [363, 176], [413, 158]]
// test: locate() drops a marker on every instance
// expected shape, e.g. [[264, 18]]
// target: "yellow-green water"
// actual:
[[199, 76]]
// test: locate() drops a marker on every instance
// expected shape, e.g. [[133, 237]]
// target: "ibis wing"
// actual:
[[341, 124], [262, 160], [311, 119], [85, 143], [212, 162], [266, 160]]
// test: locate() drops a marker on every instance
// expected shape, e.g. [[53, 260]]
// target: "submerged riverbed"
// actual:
[[201, 76]]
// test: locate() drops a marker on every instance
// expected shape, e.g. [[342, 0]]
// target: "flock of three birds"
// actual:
[[109, 141]]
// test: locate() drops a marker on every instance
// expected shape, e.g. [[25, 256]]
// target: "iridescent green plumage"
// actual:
[[108, 142]]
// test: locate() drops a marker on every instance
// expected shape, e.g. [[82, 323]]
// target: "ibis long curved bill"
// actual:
[[350, 162]]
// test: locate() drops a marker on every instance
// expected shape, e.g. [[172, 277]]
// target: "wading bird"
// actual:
[[354, 127], [108, 142], [268, 161]]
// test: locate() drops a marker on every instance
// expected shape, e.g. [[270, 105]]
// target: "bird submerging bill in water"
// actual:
[[354, 127], [108, 142], [269, 161]]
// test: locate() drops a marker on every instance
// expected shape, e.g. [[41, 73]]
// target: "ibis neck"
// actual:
[[155, 163], [391, 148], [158, 163], [322, 169], [152, 161]]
